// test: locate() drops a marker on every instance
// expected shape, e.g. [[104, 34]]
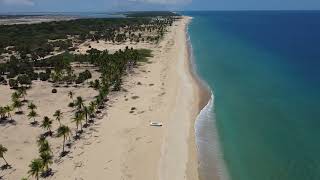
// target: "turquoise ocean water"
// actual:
[[264, 71]]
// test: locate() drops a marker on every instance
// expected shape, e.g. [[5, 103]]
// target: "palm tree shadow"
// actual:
[[34, 123], [64, 153], [91, 121], [4, 122], [47, 134], [86, 125], [6, 166], [47, 173], [69, 145], [19, 113], [25, 101], [77, 136]]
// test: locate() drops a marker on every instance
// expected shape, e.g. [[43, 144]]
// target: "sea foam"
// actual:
[[209, 153], [210, 156]]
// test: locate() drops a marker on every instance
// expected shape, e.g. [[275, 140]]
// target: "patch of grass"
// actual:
[[144, 54]]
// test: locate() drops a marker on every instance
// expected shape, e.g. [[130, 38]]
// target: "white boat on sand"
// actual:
[[157, 124]]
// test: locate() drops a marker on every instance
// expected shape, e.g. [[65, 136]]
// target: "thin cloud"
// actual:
[[18, 2]]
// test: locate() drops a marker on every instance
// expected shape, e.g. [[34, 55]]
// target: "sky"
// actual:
[[127, 5]]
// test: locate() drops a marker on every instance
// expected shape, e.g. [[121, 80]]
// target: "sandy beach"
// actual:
[[122, 145]]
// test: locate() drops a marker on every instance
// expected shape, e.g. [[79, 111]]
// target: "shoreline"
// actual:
[[205, 98]]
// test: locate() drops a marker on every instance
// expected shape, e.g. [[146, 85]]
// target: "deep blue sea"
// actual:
[[264, 70]]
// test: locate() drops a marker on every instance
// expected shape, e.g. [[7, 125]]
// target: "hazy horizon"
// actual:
[[11, 6]]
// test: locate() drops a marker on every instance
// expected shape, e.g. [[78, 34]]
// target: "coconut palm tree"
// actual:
[[70, 94], [92, 109], [41, 140], [32, 106], [17, 104], [2, 113], [63, 131], [47, 124], [58, 116], [44, 146], [8, 109], [99, 101], [36, 166], [32, 115], [79, 103], [46, 158], [86, 112], [23, 92], [3, 150], [15, 95], [78, 118]]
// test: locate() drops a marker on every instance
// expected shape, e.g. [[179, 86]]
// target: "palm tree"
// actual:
[[8, 110], [78, 118], [33, 114], [36, 167], [2, 113], [15, 95], [63, 131], [44, 146], [86, 112], [92, 109], [79, 103], [23, 92], [47, 124], [32, 106], [3, 150], [46, 158], [17, 104], [70, 94], [99, 101], [58, 115]]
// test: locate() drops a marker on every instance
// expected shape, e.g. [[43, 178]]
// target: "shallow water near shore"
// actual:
[[263, 119]]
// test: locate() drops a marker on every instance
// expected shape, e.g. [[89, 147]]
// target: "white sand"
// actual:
[[122, 145]]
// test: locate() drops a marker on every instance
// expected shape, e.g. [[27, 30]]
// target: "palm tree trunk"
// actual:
[[64, 139], [5, 160]]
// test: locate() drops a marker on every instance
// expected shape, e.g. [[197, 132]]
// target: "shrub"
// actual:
[[54, 91], [71, 105], [44, 76], [13, 83], [24, 79], [83, 76]]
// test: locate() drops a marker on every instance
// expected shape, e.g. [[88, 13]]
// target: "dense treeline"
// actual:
[[58, 68], [31, 40], [30, 44]]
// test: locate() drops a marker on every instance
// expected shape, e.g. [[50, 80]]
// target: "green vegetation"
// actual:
[[47, 125], [63, 131], [58, 116], [36, 166], [3, 150]]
